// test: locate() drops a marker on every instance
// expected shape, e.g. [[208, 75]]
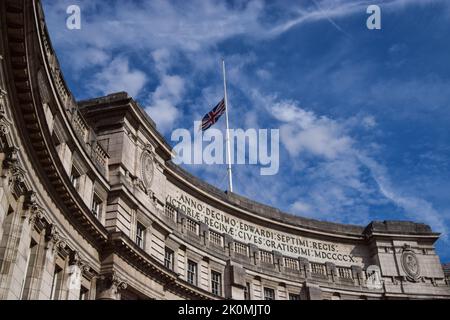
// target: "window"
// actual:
[[192, 272], [75, 178], [168, 259], [84, 293], [216, 283], [293, 296], [97, 206], [56, 283], [269, 294], [140, 235], [247, 291]]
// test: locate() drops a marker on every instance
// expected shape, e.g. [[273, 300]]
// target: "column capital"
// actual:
[[110, 285]]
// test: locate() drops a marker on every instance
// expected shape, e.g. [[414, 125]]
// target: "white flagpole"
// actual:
[[230, 177]]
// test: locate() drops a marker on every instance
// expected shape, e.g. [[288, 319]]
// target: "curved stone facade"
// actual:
[[91, 207]]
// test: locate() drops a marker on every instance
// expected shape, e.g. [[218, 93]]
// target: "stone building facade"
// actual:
[[91, 207]]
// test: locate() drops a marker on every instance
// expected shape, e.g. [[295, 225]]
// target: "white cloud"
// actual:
[[117, 76], [304, 131], [163, 101], [301, 208], [335, 186]]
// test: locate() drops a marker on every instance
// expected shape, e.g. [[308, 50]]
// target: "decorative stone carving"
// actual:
[[17, 181], [5, 123], [109, 286], [33, 210], [12, 157], [373, 273], [54, 239], [147, 169], [410, 264]]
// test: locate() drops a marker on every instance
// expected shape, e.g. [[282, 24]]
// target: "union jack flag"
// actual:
[[213, 116]]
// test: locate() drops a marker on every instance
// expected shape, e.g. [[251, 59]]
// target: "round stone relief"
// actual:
[[147, 168], [410, 265]]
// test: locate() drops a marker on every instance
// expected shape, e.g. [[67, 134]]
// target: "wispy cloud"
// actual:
[[333, 163]]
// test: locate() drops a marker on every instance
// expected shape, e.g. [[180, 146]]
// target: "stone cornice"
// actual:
[[29, 119]]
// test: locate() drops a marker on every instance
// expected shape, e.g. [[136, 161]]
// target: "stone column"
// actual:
[[74, 272], [109, 286], [14, 244], [46, 264]]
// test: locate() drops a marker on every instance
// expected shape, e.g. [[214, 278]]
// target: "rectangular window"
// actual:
[[216, 283], [247, 291], [140, 235], [56, 283], [97, 206], [75, 178], [168, 259], [192, 272], [84, 293], [269, 294], [293, 296]]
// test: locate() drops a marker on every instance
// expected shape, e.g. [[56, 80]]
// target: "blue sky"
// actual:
[[363, 114]]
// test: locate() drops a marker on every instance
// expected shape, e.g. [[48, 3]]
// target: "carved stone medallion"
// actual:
[[410, 265], [147, 169]]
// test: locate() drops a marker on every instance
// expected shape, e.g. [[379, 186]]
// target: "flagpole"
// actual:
[[230, 176]]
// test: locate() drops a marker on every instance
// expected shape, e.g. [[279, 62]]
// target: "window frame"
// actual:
[[271, 290], [216, 284], [97, 201], [140, 235], [192, 273], [75, 176], [169, 263]]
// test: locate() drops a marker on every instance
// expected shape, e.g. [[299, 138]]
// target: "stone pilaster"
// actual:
[[234, 281], [312, 291], [15, 241]]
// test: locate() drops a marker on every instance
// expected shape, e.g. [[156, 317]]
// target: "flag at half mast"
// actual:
[[214, 115]]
